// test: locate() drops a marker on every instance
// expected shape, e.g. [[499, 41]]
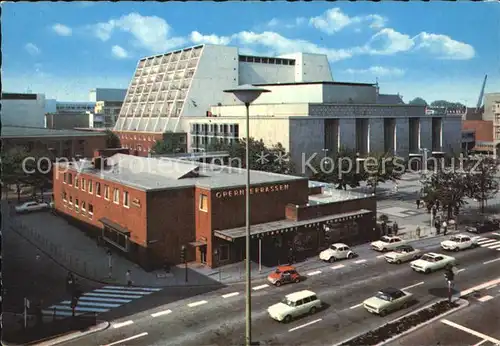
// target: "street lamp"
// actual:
[[247, 94]]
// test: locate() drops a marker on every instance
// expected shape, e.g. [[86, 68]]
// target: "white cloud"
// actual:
[[443, 46], [387, 42], [198, 38], [62, 30], [276, 23], [378, 71], [32, 49], [334, 20], [150, 32], [119, 52]]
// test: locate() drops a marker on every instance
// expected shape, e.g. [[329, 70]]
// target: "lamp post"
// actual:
[[247, 94]]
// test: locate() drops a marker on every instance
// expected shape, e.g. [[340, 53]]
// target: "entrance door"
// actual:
[[203, 253]]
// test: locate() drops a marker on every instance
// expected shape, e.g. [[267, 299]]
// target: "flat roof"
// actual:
[[284, 226], [317, 82], [152, 174], [27, 132]]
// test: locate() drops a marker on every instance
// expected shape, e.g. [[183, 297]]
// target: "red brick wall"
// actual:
[[140, 141], [304, 212], [484, 129]]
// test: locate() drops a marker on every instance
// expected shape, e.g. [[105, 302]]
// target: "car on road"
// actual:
[[431, 262], [459, 242], [284, 275], [335, 252], [31, 206], [484, 226], [387, 243], [403, 253], [388, 300], [295, 305]]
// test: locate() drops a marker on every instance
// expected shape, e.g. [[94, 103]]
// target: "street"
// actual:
[[218, 317]]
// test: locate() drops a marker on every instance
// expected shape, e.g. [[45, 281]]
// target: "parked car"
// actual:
[[388, 300], [403, 253], [31, 206], [482, 227], [284, 275], [431, 262], [459, 242], [335, 252], [387, 243], [295, 305]]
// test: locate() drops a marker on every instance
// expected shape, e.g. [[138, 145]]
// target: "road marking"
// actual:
[[496, 233], [485, 298], [201, 302], [138, 294], [128, 339], [111, 295], [491, 244], [415, 285], [360, 261], [460, 270], [356, 306], [133, 288], [161, 313], [314, 273], [80, 303], [260, 287], [305, 325], [482, 242], [78, 308], [481, 342], [338, 266], [470, 331], [480, 287], [230, 295], [123, 324], [105, 299], [380, 256], [493, 247], [491, 261], [492, 286]]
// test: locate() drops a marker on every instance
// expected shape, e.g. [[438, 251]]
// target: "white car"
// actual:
[[459, 242], [387, 243], [431, 262], [31, 206], [335, 252], [294, 305], [403, 253]]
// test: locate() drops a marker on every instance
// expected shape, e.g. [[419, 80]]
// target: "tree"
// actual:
[[418, 101], [340, 170], [380, 168], [112, 140], [444, 103], [449, 187], [481, 180], [170, 144]]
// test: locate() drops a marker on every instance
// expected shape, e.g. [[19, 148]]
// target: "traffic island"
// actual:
[[405, 324]]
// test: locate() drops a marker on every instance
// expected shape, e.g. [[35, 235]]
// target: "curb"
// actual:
[[412, 329], [65, 337], [464, 304]]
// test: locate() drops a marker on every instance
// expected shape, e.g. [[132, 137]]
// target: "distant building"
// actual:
[[74, 107], [105, 114], [23, 109], [483, 135], [107, 94]]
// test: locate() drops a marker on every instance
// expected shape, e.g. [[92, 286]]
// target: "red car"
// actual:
[[284, 275]]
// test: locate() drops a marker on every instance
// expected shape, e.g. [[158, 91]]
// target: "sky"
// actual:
[[435, 50]]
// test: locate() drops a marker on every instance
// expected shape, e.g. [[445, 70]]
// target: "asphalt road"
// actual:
[[217, 318], [478, 324]]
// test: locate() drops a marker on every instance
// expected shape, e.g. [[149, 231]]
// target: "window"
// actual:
[[224, 253], [83, 206], [71, 201], [76, 182], [98, 189], [91, 209], [65, 178], [70, 178], [116, 196], [106, 192], [83, 184], [91, 187], [77, 207], [125, 199], [203, 202], [64, 196]]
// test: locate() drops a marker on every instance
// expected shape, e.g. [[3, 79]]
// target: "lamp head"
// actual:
[[247, 93]]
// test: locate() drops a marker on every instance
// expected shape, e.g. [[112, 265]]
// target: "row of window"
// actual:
[[135, 137], [88, 185], [86, 209]]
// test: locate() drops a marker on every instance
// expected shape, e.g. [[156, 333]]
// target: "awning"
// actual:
[[198, 243], [285, 226], [107, 222]]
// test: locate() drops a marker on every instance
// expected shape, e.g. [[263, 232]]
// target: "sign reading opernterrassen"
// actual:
[[253, 191]]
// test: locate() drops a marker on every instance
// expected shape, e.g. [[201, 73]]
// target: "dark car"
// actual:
[[482, 227]]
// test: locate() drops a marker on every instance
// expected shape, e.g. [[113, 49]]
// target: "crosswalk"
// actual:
[[101, 300], [489, 243]]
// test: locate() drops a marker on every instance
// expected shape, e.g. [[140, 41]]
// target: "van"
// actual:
[[295, 305]]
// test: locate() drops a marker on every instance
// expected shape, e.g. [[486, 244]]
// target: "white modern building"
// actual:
[[107, 94], [23, 109], [74, 107]]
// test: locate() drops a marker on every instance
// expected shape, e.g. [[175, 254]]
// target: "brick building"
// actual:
[[149, 208], [143, 142]]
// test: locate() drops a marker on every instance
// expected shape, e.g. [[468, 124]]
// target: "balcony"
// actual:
[[192, 63], [189, 73]]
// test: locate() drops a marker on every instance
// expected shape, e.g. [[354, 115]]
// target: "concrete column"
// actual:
[[376, 135], [452, 134], [402, 137], [347, 133], [425, 133]]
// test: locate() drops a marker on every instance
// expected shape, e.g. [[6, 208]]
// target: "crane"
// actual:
[[481, 94]]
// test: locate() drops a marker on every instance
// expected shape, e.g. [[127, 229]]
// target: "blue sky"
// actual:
[[433, 50]]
